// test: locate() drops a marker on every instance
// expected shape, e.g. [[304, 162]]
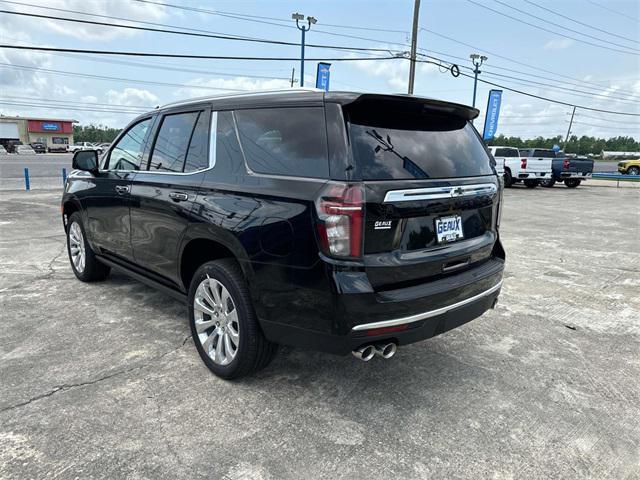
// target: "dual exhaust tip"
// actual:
[[367, 352]]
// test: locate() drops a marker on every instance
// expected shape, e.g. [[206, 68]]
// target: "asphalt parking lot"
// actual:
[[103, 381]]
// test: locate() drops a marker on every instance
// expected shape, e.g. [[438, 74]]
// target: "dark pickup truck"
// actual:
[[570, 170]]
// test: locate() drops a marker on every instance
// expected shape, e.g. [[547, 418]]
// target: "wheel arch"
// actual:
[[203, 244]]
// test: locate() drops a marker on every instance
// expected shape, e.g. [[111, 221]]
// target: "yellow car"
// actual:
[[631, 167]]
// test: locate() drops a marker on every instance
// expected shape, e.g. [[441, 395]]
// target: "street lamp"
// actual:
[[477, 61], [298, 17]]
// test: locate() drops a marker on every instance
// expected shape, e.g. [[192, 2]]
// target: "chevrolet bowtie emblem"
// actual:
[[456, 192]]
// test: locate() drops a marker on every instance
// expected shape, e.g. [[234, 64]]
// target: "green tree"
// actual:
[[94, 133]]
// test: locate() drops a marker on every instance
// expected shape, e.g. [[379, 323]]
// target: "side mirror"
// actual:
[[86, 160]]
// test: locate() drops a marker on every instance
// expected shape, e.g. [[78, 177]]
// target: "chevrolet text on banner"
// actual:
[[322, 77], [491, 117]]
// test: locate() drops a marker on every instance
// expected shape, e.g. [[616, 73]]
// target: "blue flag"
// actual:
[[322, 77], [491, 116]]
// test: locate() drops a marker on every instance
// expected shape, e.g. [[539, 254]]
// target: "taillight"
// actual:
[[565, 164], [523, 163], [340, 210]]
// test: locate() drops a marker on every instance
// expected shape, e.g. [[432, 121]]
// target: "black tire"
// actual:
[[548, 183], [254, 351], [634, 171], [93, 270], [572, 182], [531, 183], [508, 179]]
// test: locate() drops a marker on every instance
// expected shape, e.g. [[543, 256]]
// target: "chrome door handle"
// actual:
[[122, 188], [178, 196]]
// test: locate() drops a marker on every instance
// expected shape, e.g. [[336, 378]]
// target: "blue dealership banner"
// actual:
[[51, 126], [322, 76], [491, 117]]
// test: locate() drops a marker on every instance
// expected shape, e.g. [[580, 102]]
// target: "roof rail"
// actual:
[[241, 94]]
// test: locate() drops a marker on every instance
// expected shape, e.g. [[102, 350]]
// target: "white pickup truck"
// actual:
[[530, 166], [83, 146]]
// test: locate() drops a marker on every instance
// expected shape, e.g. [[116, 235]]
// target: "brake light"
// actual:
[[565, 164], [523, 163], [340, 209]]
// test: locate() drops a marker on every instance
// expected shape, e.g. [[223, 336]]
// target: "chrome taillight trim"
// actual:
[[435, 193]]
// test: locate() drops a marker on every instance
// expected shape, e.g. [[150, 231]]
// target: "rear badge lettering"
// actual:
[[382, 225]]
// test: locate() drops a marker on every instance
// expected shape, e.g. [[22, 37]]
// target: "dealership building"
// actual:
[[55, 133]]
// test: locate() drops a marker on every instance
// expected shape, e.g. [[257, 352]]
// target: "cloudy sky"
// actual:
[[581, 52]]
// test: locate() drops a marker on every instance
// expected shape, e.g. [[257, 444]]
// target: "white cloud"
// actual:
[[222, 85], [132, 97], [558, 44], [125, 9]]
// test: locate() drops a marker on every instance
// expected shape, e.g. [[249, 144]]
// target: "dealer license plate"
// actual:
[[449, 229]]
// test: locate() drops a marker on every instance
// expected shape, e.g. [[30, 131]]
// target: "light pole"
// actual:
[[477, 61], [310, 21]]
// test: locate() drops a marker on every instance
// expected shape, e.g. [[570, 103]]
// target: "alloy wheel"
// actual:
[[76, 247], [216, 321]]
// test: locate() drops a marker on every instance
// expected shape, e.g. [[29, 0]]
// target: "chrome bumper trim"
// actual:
[[431, 313]]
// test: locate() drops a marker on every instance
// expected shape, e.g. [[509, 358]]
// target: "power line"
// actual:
[[567, 91], [582, 115], [637, 129], [519, 20], [117, 79], [181, 55], [62, 100], [191, 34], [562, 26], [579, 22], [546, 98], [62, 107], [625, 15], [495, 54], [235, 14]]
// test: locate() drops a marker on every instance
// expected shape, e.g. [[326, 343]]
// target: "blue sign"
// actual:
[[556, 148], [51, 126], [491, 116], [322, 76]]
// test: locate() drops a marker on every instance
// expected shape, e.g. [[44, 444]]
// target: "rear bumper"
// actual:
[[534, 175], [355, 315], [576, 175], [428, 324]]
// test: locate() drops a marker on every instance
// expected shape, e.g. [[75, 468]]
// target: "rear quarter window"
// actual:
[[397, 146], [285, 141]]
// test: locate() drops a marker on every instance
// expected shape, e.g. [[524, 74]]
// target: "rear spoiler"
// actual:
[[354, 99]]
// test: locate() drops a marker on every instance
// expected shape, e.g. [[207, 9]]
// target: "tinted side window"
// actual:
[[228, 155], [197, 155], [172, 141], [285, 141], [127, 153]]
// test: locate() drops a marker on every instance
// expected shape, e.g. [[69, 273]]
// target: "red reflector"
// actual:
[[523, 163], [386, 330], [565, 164]]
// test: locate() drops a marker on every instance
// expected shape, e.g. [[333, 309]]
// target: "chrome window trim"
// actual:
[[425, 315], [435, 193]]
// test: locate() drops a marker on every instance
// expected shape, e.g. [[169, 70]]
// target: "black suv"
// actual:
[[343, 222]]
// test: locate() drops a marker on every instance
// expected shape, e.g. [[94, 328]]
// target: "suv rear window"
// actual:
[[407, 146], [285, 141]]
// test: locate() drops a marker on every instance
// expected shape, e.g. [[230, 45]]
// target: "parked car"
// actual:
[[3, 151], [629, 167], [38, 147], [81, 146], [536, 165], [570, 170], [342, 222], [24, 150], [509, 159], [10, 145]]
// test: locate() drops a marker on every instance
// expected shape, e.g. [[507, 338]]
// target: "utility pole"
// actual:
[[566, 139], [477, 61], [310, 21], [293, 74], [414, 45]]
